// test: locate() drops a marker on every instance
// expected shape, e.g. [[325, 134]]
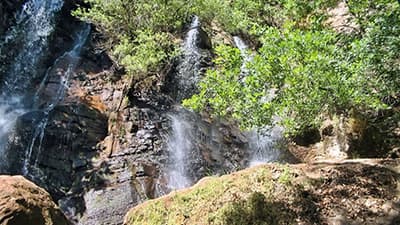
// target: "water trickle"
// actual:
[[262, 145], [262, 142], [62, 69], [246, 55], [9, 111], [244, 49]]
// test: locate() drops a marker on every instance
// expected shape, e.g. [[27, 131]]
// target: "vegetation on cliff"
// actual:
[[303, 71]]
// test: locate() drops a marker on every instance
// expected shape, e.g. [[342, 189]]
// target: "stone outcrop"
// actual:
[[22, 202], [353, 137], [341, 19]]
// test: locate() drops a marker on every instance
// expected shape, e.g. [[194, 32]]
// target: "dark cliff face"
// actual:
[[8, 9]]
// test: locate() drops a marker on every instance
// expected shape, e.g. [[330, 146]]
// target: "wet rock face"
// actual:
[[204, 41], [103, 149], [22, 202], [65, 150], [201, 146]]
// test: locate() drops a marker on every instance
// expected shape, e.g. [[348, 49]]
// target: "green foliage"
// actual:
[[366, 11], [145, 54], [305, 13], [141, 31], [302, 72], [307, 72], [379, 51], [286, 176]]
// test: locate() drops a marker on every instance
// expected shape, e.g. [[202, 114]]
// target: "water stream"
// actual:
[[188, 74], [246, 55], [34, 25], [180, 146]]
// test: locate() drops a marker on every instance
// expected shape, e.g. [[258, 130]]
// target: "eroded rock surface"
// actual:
[[22, 202]]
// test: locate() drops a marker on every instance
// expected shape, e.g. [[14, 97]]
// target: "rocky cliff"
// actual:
[[101, 148]]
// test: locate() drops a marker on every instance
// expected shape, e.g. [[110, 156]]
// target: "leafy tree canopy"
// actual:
[[302, 71]]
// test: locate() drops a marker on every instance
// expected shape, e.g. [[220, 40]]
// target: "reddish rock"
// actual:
[[22, 203]]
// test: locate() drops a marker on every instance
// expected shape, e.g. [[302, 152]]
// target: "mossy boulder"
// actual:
[[345, 192]]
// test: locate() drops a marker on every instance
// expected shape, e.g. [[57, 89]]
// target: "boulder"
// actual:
[[22, 202]]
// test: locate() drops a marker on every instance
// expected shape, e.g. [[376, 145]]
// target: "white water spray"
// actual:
[[188, 74], [179, 146], [34, 25]]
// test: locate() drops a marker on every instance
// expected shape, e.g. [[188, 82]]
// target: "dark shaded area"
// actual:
[[63, 153], [8, 9], [308, 137], [258, 210], [380, 138]]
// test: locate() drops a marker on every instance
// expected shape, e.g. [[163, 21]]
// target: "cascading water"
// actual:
[[189, 68], [244, 51], [63, 68], [179, 141], [34, 25], [262, 143], [180, 147], [10, 110]]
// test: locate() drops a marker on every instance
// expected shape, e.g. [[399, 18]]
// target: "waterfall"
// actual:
[[262, 142], [62, 70], [188, 74], [247, 57], [262, 145], [34, 25], [179, 140], [10, 110], [180, 147]]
